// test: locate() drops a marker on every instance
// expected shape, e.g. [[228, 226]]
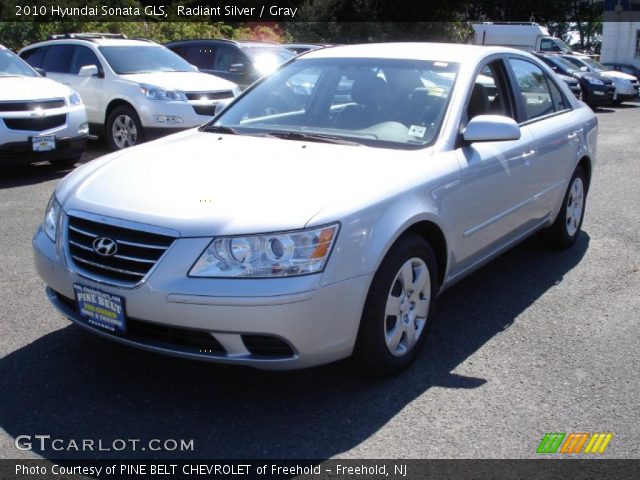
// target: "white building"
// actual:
[[621, 32]]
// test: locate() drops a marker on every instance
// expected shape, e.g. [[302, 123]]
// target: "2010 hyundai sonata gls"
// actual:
[[320, 214]]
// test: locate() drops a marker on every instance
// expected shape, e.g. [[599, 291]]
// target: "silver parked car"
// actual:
[[304, 225]]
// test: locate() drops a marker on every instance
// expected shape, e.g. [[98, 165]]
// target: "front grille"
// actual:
[[209, 95], [137, 251], [35, 124], [209, 110], [31, 105], [195, 341], [267, 346]]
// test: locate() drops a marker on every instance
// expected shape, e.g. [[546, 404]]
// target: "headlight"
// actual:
[[594, 81], [270, 255], [51, 218], [236, 91], [74, 99], [157, 93]]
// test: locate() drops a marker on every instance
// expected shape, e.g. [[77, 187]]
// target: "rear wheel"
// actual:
[[123, 128], [566, 228], [399, 307]]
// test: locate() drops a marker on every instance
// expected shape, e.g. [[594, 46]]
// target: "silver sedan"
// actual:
[[320, 214]]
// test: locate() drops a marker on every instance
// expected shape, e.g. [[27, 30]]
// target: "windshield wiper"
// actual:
[[218, 129], [311, 137]]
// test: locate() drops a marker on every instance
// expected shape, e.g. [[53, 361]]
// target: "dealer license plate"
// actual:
[[44, 144], [101, 309]]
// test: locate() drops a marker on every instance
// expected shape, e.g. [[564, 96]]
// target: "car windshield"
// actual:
[[378, 102], [593, 65], [267, 59], [144, 59], [13, 66], [566, 65]]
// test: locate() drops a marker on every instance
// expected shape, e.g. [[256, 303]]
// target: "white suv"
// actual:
[[39, 118], [133, 89]]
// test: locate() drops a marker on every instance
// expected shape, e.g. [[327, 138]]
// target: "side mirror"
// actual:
[[40, 71], [584, 69], [237, 68], [491, 128], [222, 104], [88, 71]]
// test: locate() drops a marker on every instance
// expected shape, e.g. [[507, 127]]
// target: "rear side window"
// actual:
[[58, 58], [82, 57], [202, 56], [533, 87], [559, 101], [33, 57]]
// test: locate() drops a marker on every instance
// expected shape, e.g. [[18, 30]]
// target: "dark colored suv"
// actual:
[[597, 90], [241, 62]]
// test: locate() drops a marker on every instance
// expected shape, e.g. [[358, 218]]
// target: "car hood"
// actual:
[[31, 88], [617, 75], [204, 184], [182, 81], [566, 78]]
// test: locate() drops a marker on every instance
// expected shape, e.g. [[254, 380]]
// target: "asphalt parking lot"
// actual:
[[537, 341]]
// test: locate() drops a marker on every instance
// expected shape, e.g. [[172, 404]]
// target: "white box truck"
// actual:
[[525, 36]]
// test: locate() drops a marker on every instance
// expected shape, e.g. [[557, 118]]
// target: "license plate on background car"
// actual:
[[101, 309], [44, 143]]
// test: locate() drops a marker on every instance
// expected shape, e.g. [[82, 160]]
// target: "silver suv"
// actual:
[[39, 118], [133, 89]]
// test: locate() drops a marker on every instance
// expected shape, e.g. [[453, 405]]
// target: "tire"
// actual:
[[566, 227], [616, 102], [123, 128], [389, 343], [65, 162]]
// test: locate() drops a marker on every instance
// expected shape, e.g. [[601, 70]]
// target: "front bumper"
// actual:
[[18, 153], [164, 116], [318, 323], [71, 139]]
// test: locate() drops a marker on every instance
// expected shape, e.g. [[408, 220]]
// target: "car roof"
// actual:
[[106, 42], [445, 52], [240, 43]]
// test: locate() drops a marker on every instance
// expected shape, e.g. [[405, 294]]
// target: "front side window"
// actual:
[[378, 102], [533, 88], [227, 56], [548, 45], [489, 95], [144, 59], [84, 57], [12, 66]]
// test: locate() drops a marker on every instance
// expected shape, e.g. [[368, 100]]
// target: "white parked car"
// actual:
[[39, 119], [303, 225], [627, 86], [133, 89]]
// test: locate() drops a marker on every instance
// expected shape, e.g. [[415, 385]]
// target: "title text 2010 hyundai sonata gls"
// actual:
[[320, 214]]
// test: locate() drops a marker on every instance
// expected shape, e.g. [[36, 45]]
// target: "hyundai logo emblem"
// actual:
[[105, 246]]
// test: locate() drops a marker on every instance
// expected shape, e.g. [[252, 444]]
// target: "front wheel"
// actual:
[[399, 307], [566, 228], [123, 128]]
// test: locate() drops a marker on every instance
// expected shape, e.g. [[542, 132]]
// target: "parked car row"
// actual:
[[135, 89]]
